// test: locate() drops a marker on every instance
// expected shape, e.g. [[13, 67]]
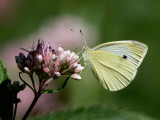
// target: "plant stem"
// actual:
[[15, 110], [34, 87], [25, 82], [31, 106]]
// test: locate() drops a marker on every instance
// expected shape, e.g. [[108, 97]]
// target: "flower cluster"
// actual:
[[49, 63]]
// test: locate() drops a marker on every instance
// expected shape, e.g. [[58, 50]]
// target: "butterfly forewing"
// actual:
[[115, 64], [133, 51]]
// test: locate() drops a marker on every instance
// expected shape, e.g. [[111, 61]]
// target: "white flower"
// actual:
[[76, 76]]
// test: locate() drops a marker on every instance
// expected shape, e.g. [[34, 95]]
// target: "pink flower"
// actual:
[[48, 62]]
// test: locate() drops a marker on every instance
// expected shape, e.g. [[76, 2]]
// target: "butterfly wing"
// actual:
[[115, 64], [133, 51]]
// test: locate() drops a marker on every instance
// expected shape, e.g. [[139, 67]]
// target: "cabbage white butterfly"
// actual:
[[115, 64]]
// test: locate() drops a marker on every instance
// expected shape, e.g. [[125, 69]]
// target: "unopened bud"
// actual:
[[75, 58], [18, 60], [60, 50], [36, 62], [28, 63], [40, 58], [76, 76], [46, 70], [72, 54], [26, 69], [20, 66], [21, 55], [61, 58], [53, 57], [30, 57], [79, 68], [75, 65], [68, 59], [57, 74], [67, 53]]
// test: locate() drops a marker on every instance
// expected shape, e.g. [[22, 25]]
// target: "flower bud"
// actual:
[[22, 57], [61, 58], [53, 57], [18, 60], [20, 66], [67, 53], [28, 63], [60, 50], [57, 74], [76, 76], [46, 70], [72, 54], [26, 69], [40, 58], [75, 58], [75, 65], [68, 59], [30, 57], [79, 68], [36, 62]]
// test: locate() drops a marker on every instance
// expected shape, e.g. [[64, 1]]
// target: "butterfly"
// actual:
[[115, 64]]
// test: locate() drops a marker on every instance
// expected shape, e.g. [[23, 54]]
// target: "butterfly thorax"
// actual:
[[85, 52]]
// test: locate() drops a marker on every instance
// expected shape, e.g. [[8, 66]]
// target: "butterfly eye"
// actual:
[[124, 56]]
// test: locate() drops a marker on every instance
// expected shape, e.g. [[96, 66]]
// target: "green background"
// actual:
[[115, 20]]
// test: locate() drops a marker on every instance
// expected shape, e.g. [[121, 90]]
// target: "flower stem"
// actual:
[[31, 106], [33, 83], [25, 82], [15, 110]]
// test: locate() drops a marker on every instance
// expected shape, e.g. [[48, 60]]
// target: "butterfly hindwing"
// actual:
[[113, 72]]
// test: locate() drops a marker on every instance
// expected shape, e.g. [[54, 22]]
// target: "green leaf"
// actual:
[[94, 113], [3, 73], [6, 101]]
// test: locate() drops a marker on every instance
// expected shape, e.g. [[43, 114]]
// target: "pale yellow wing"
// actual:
[[133, 51], [112, 71], [115, 64]]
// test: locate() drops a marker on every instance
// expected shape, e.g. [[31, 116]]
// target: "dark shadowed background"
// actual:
[[102, 21]]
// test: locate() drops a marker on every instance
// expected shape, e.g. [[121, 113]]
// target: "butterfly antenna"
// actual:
[[83, 38]]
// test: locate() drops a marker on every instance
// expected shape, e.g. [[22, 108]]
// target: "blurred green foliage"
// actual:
[[3, 73], [114, 20], [93, 113]]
